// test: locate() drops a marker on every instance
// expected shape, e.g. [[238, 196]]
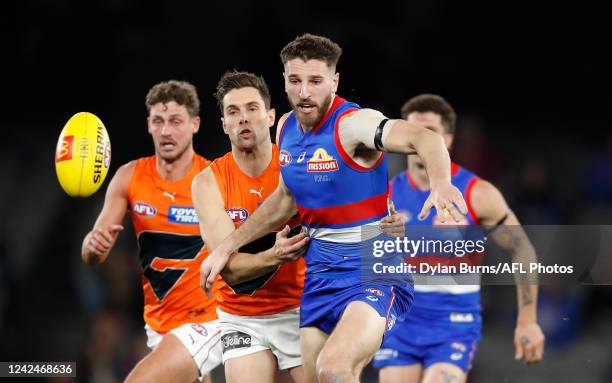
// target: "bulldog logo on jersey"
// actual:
[[322, 162]]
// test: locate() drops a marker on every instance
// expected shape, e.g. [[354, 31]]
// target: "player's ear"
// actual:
[[335, 81], [271, 117], [149, 125], [196, 124], [223, 124], [285, 81], [448, 139]]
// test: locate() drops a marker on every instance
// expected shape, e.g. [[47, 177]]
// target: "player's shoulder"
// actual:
[[204, 178], [361, 118], [126, 171], [363, 113], [486, 200], [483, 188], [399, 178], [281, 123], [222, 164], [202, 161]]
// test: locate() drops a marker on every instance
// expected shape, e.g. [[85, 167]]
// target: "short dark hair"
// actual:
[[235, 80], [312, 47], [181, 92], [432, 103]]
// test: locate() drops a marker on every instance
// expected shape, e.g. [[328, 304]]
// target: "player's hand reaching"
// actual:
[[393, 224], [447, 200], [528, 343], [100, 241], [213, 265], [289, 249]]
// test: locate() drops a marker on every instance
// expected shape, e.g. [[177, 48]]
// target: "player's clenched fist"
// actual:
[[393, 224], [529, 343], [99, 242]]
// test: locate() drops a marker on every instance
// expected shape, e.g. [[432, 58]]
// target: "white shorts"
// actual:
[[201, 340], [280, 333]]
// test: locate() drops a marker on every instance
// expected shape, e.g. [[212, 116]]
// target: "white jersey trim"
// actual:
[[354, 234]]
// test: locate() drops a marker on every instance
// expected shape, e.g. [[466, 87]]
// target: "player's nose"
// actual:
[[165, 129], [243, 118], [304, 91]]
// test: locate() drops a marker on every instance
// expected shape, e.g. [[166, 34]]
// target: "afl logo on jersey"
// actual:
[[284, 158], [145, 209], [237, 214], [322, 162]]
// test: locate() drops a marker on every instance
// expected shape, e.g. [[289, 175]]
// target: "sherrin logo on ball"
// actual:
[[82, 155]]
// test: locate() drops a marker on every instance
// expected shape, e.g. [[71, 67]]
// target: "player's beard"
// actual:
[[312, 119]]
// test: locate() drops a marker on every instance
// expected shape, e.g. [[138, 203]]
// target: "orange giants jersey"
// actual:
[[279, 290], [169, 242]]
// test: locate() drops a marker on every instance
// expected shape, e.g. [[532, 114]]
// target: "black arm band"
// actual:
[[498, 224], [378, 135]]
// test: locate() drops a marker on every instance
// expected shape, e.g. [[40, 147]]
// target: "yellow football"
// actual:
[[83, 154]]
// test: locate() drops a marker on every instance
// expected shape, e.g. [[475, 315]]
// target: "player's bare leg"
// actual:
[[169, 362], [297, 374], [400, 374], [444, 373], [259, 367], [312, 341], [351, 345]]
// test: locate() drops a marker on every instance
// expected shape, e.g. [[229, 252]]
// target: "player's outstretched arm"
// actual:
[[220, 235], [367, 128], [504, 228], [243, 267], [98, 243]]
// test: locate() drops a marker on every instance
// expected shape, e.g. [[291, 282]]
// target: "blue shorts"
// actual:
[[426, 337], [326, 296]]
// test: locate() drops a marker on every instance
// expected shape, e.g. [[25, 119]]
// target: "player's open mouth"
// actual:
[[245, 133], [306, 108], [168, 145]]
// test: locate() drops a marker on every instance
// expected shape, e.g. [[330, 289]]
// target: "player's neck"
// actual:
[[254, 161], [177, 169]]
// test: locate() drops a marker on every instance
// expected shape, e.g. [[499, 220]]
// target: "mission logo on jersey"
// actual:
[[322, 162]]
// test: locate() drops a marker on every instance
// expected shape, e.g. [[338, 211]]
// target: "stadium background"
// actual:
[[531, 85]]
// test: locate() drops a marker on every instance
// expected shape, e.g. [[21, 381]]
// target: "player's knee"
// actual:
[[332, 369]]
